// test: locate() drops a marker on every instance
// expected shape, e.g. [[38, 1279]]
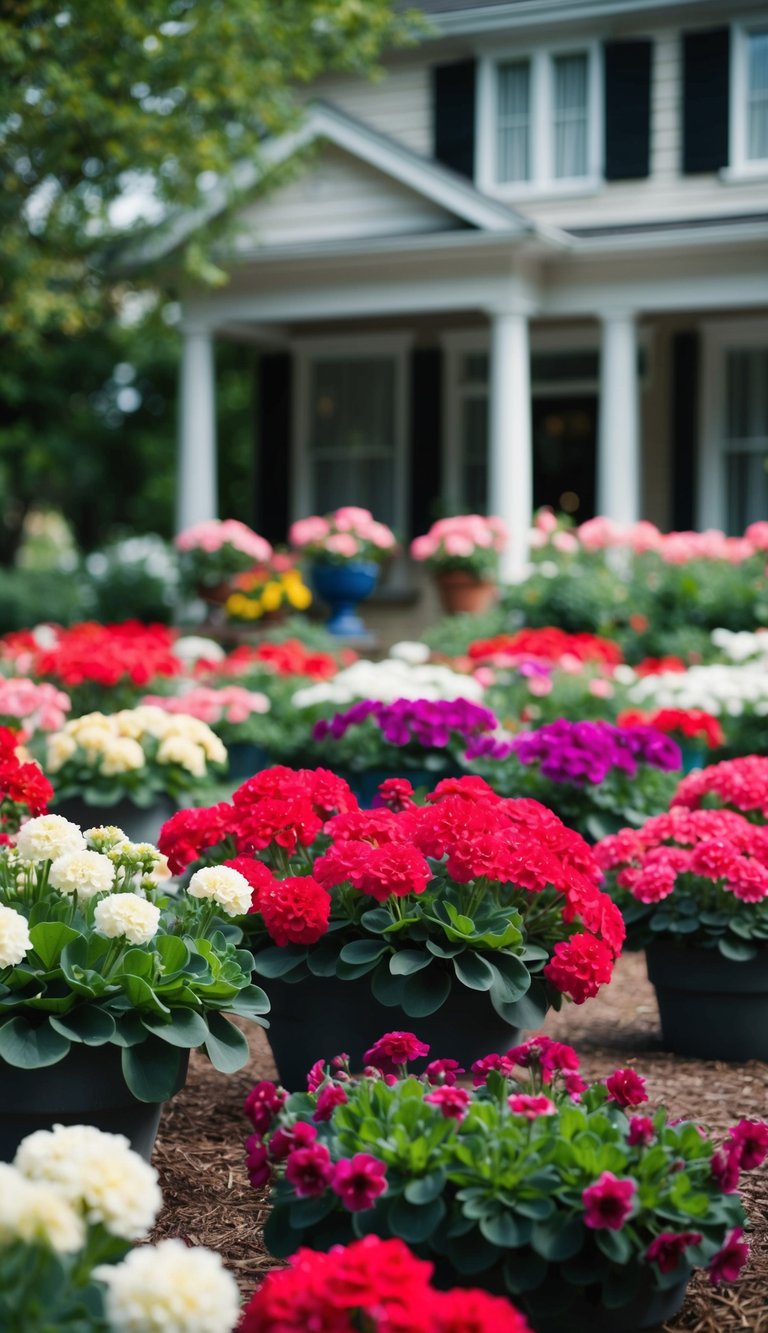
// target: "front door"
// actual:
[[565, 454]]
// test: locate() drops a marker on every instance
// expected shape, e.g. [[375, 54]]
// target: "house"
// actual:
[[528, 266]]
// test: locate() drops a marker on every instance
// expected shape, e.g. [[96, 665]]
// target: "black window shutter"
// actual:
[[684, 427], [453, 97], [273, 444], [426, 436], [627, 109], [706, 80]]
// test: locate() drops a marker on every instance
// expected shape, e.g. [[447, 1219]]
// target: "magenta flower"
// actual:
[[490, 1064], [626, 1087], [359, 1181], [641, 1131], [667, 1250], [330, 1096], [284, 1141], [263, 1103], [609, 1202], [725, 1167], [443, 1073], [521, 1103], [394, 1050], [309, 1170], [749, 1141], [729, 1261], [316, 1076], [257, 1161], [453, 1102]]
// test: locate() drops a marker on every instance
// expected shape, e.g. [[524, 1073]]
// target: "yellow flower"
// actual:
[[300, 597], [272, 597]]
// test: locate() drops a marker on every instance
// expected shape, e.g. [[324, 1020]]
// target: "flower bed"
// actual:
[[409, 733], [231, 711], [212, 552]]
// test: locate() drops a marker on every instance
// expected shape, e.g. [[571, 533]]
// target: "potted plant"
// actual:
[[597, 777], [107, 983], [211, 553], [266, 593], [475, 911], [578, 1202], [346, 549], [371, 1284], [74, 1201], [740, 785], [132, 767], [234, 713], [695, 730], [31, 707], [24, 788], [693, 889], [463, 554], [418, 739]]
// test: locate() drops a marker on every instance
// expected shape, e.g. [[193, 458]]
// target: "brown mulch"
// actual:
[[208, 1201]]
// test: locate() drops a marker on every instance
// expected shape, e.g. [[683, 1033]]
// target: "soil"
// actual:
[[208, 1200]]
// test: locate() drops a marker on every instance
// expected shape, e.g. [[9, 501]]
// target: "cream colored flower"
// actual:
[[223, 885], [122, 755], [125, 914], [36, 1213], [103, 837], [98, 1174], [170, 1288], [48, 836], [83, 873], [14, 937], [58, 751], [179, 750]]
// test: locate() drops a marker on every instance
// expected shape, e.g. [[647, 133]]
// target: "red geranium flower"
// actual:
[[626, 1088], [394, 1050], [295, 910], [358, 1181]]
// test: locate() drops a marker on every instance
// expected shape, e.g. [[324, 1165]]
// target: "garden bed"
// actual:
[[208, 1200]]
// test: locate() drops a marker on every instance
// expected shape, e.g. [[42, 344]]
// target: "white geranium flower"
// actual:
[[195, 648], [410, 651], [126, 915], [122, 755], [82, 873], [223, 885], [389, 680], [98, 1174], [59, 750], [48, 836], [14, 937], [185, 753], [170, 1288], [36, 1213]]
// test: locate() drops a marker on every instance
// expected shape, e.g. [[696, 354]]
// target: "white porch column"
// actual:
[[510, 482], [618, 446], [196, 494]]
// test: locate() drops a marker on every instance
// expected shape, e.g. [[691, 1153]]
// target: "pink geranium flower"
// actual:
[[641, 1131], [453, 1102], [608, 1204], [394, 1050], [310, 1170], [626, 1087], [329, 1097], [359, 1181], [729, 1261], [667, 1250], [749, 1141], [522, 1103]]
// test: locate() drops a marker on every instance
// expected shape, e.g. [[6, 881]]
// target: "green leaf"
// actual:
[[559, 1238], [363, 951], [226, 1046], [186, 1028], [528, 1012], [280, 1237], [511, 978], [739, 951], [276, 962], [323, 957], [49, 938], [377, 919], [473, 971], [415, 1223], [615, 1245], [174, 953], [28, 1047], [425, 992], [141, 994], [152, 1070], [88, 1024], [406, 961], [250, 1002], [388, 990], [501, 1229], [425, 1188]]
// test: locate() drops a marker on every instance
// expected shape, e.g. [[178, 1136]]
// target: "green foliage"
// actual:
[[27, 598]]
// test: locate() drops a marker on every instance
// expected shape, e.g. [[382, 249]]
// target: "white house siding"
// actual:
[[399, 103], [338, 197]]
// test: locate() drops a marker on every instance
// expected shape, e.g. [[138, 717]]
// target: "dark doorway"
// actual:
[[564, 454]]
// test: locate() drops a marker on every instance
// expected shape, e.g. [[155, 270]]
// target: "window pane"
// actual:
[[757, 97], [746, 436], [514, 122], [746, 485], [571, 78], [474, 463], [351, 439], [366, 482]]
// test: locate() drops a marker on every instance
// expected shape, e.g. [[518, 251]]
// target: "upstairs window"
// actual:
[[539, 124], [757, 96], [747, 73]]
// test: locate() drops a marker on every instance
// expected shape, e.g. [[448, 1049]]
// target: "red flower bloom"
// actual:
[[490, 1064], [257, 1161], [443, 1073], [749, 1139], [310, 1170], [729, 1261], [295, 910], [725, 1167], [329, 1097], [259, 876], [188, 833], [359, 1181], [394, 1050], [284, 1141], [626, 1087], [396, 794], [453, 1102], [263, 1103], [609, 1202], [475, 1311], [667, 1250], [580, 966], [641, 1131], [521, 1103]]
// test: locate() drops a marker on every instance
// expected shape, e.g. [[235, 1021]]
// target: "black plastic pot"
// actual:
[[581, 1312], [85, 1088], [139, 823], [711, 1008], [321, 1017]]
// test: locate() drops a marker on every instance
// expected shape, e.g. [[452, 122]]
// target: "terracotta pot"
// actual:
[[462, 592]]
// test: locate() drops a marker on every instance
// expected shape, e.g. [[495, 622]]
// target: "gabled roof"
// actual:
[[325, 122]]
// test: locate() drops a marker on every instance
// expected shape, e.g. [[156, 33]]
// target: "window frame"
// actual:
[[740, 166], [541, 60], [718, 339]]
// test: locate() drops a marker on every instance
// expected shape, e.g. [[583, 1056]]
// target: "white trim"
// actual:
[[741, 167], [718, 337], [538, 13], [349, 347], [542, 183]]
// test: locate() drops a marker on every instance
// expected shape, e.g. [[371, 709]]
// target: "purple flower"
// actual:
[[425, 724], [587, 752]]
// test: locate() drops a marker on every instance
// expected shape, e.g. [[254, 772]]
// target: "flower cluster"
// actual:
[[376, 1283], [267, 589], [689, 724], [701, 875], [75, 1193], [735, 784], [548, 645], [24, 789], [349, 533], [227, 710], [416, 724], [129, 654], [212, 551], [586, 752], [289, 658], [32, 707], [388, 680], [472, 865], [675, 548], [467, 542], [532, 1165], [143, 748], [720, 689]]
